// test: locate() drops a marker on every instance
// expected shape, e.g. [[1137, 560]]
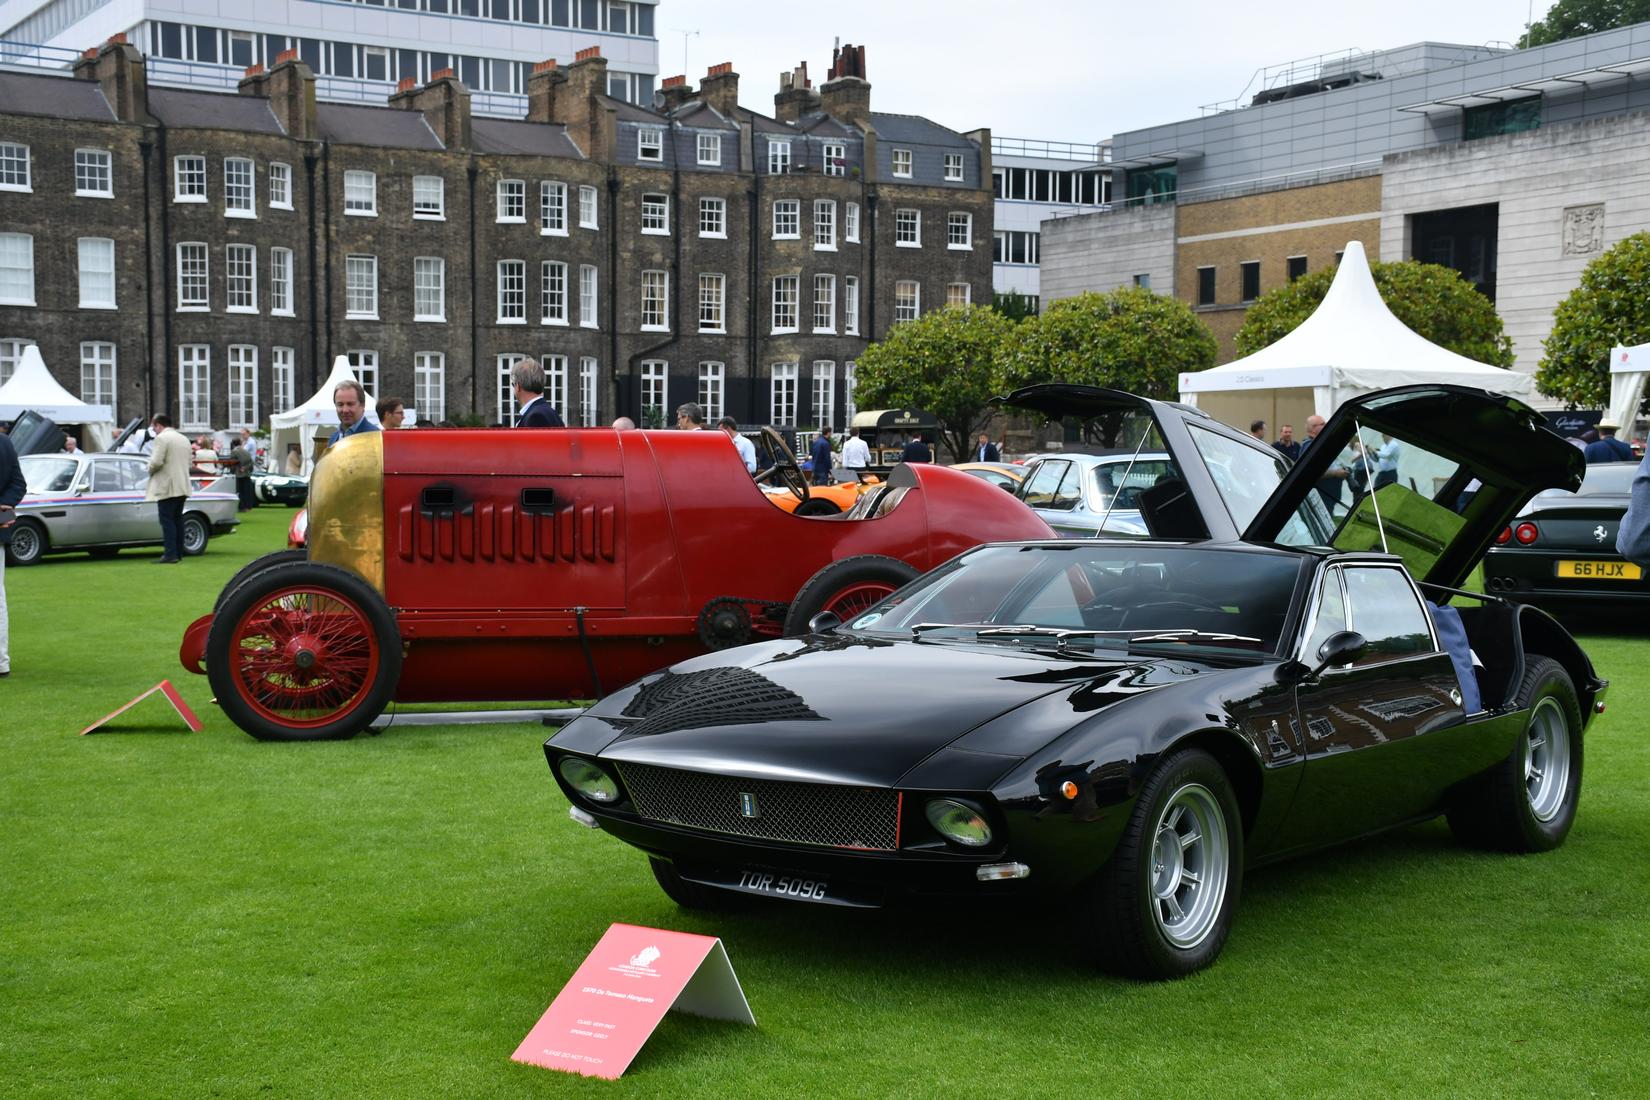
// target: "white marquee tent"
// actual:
[[1629, 367], [314, 419], [32, 386], [1352, 344]]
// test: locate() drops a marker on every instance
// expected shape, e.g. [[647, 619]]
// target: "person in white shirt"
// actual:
[[855, 455], [746, 449]]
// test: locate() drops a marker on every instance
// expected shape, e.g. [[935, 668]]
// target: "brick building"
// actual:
[[210, 253]]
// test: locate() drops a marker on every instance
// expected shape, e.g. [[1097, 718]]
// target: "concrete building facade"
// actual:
[[1512, 166], [700, 252], [1031, 182]]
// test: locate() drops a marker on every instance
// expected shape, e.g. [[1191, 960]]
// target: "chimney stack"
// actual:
[[796, 95], [720, 88], [118, 69], [576, 104], [675, 91], [290, 88], [846, 94], [542, 84], [445, 104]]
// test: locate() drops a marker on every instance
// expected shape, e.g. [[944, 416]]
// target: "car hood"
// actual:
[[848, 709]]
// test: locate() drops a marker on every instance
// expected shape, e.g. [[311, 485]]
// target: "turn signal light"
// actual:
[[1504, 536], [997, 872], [1068, 791], [1525, 533]]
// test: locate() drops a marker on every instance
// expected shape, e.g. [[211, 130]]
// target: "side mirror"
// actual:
[[824, 622], [1340, 648]]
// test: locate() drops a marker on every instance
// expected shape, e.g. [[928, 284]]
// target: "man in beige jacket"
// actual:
[[169, 485]]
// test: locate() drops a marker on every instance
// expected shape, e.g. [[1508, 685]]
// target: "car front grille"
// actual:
[[817, 814]]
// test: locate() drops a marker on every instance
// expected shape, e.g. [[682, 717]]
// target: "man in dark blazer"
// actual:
[[535, 412], [985, 450], [916, 450], [12, 488]]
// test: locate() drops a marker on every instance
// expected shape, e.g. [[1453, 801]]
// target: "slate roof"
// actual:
[[630, 112], [181, 108], [825, 125], [388, 127], [502, 135], [56, 96], [916, 130], [703, 116]]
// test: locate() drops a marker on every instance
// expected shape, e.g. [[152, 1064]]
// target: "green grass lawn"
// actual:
[[204, 915]]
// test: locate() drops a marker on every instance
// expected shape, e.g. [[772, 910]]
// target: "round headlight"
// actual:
[[589, 780], [959, 823]]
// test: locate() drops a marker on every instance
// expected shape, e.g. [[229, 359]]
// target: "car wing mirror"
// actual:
[[1340, 648], [824, 622]]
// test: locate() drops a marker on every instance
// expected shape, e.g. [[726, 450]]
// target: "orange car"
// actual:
[[823, 500]]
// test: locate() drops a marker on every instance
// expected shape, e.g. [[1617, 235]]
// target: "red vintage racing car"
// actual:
[[485, 565]]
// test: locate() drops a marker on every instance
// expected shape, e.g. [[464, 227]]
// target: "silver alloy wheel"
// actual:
[[194, 534], [1547, 760], [1190, 862], [25, 542]]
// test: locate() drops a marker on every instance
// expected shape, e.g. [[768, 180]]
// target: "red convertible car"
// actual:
[[485, 565]]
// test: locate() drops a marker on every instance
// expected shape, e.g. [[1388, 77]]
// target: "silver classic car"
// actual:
[[94, 502]]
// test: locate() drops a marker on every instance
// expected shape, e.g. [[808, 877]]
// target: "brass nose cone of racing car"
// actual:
[[346, 507]]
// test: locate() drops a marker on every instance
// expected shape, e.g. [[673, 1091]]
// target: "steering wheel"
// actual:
[[1162, 605], [785, 471]]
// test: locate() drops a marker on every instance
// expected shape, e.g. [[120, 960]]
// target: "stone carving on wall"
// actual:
[[1583, 233]]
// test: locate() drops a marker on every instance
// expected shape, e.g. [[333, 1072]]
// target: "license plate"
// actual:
[[794, 887], [1600, 570]]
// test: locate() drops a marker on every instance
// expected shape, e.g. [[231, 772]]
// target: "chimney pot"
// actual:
[[255, 69], [673, 82], [440, 74], [90, 54], [587, 53], [544, 66], [116, 40], [286, 55], [405, 84], [718, 70]]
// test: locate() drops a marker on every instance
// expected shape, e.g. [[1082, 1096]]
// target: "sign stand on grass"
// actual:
[[165, 688], [631, 978]]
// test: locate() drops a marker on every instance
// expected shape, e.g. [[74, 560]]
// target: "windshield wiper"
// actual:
[[1195, 637], [1061, 635], [919, 629]]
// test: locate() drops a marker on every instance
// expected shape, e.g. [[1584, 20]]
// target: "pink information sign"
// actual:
[[606, 1011]]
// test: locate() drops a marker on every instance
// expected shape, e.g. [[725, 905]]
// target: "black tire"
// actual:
[[268, 561], [693, 895], [29, 543], [817, 506], [848, 579], [103, 553], [195, 534], [1131, 900], [1528, 801], [373, 641]]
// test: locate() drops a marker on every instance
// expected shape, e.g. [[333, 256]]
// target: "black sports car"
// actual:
[[1132, 720], [1561, 548]]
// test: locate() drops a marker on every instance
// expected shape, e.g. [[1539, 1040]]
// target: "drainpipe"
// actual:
[[677, 230], [753, 213], [327, 251], [613, 289], [314, 283], [146, 148], [470, 173], [168, 261], [870, 328]]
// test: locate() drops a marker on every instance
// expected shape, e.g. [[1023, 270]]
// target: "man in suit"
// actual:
[[528, 378], [986, 451], [916, 450], [12, 488], [169, 485], [349, 401], [820, 456]]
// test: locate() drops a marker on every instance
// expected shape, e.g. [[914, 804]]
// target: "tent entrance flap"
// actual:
[[1240, 408]]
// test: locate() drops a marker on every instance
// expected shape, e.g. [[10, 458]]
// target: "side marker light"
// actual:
[[1068, 791], [582, 818], [996, 872]]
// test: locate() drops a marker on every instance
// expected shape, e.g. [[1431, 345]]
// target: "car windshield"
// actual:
[[1098, 596], [48, 473], [1611, 479]]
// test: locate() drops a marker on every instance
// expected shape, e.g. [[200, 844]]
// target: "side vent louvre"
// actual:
[[534, 530]]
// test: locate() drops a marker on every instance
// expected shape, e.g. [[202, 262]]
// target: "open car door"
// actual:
[[1430, 473]]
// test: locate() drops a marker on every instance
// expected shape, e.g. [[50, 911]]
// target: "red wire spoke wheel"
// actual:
[[846, 588], [303, 652]]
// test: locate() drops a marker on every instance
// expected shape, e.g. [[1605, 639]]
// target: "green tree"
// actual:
[[948, 362], [1574, 18], [1433, 300], [1129, 339], [1611, 306], [1014, 305]]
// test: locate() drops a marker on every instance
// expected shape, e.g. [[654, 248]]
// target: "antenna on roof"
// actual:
[[686, 34]]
